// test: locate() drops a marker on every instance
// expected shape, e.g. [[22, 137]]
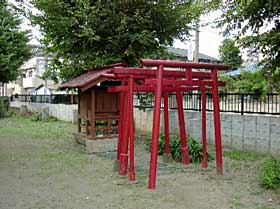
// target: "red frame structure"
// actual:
[[161, 77], [179, 77]]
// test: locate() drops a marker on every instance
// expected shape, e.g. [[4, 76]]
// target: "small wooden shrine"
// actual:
[[98, 110]]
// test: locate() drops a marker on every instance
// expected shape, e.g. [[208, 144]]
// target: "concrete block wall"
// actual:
[[60, 111], [259, 133]]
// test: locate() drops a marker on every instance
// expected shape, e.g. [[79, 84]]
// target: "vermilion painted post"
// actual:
[[120, 124], [131, 130], [79, 111], [217, 124], [166, 124], [203, 125], [124, 145], [155, 131], [183, 136]]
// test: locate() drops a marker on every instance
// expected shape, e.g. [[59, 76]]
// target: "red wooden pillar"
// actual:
[[166, 125], [183, 136], [155, 132], [203, 125], [124, 143], [79, 111], [92, 115], [217, 124], [131, 130], [120, 123]]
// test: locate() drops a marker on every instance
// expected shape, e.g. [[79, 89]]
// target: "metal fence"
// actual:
[[229, 102], [53, 98]]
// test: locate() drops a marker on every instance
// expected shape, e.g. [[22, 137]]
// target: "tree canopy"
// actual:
[[88, 34], [247, 83], [13, 44], [255, 23], [230, 54]]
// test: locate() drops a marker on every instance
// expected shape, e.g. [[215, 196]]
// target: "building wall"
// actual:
[[259, 133], [29, 77]]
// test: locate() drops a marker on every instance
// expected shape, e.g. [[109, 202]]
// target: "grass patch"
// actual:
[[242, 155], [57, 161], [27, 128], [48, 143], [269, 173]]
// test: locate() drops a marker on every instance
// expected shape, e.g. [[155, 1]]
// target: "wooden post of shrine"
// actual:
[[79, 111], [92, 115]]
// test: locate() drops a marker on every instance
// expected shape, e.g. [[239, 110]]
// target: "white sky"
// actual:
[[210, 38]]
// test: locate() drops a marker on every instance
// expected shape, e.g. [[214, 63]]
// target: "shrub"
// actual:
[[36, 117], [195, 148], [269, 173]]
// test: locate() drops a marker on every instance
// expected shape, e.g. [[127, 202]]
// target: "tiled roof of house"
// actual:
[[184, 53]]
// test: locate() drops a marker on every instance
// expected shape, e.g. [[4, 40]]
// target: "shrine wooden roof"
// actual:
[[90, 78]]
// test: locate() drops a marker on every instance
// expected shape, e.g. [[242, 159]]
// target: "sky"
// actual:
[[210, 38]]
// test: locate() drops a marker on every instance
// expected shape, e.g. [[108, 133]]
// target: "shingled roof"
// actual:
[[90, 78]]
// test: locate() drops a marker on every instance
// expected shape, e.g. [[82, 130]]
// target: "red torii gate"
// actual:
[[162, 82]]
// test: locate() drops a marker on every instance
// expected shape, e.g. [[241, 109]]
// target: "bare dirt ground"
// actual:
[[42, 167]]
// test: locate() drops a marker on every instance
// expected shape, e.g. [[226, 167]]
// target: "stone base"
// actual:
[[97, 146]]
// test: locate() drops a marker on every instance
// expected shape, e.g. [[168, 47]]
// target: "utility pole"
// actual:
[[196, 55]]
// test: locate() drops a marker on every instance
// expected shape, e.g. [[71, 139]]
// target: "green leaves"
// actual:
[[88, 34], [230, 54], [13, 44], [256, 25], [248, 83], [269, 173], [195, 148]]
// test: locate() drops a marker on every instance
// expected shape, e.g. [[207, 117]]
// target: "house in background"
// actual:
[[183, 55], [31, 72]]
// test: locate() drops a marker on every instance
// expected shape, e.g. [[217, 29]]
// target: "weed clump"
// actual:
[[269, 173], [37, 117], [195, 148]]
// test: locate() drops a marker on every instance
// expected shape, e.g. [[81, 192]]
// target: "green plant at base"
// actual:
[[269, 173], [195, 148]]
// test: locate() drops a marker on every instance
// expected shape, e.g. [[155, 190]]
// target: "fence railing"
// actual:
[[229, 102], [53, 98]]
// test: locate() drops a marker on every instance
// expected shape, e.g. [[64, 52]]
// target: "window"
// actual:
[[30, 73]]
